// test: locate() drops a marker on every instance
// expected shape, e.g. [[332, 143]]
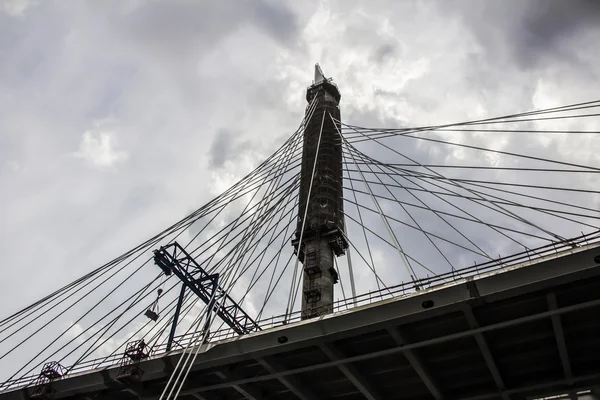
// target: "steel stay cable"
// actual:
[[254, 247], [571, 107], [269, 292], [290, 191], [474, 219], [470, 181], [273, 210], [512, 203], [516, 114], [257, 187], [205, 335], [71, 306], [80, 334], [285, 235], [405, 131], [454, 182], [263, 252], [460, 209], [167, 291], [244, 238], [500, 199], [71, 326], [546, 211], [388, 243], [215, 217], [497, 204], [298, 282], [183, 355], [379, 132], [80, 280], [164, 319], [431, 129], [427, 176], [579, 171], [225, 230], [350, 270], [261, 255], [171, 288], [308, 119], [366, 262], [453, 205], [412, 218], [278, 205], [406, 262], [109, 278], [426, 205], [362, 222], [110, 324], [110, 264], [415, 228], [53, 308], [506, 212], [516, 131], [489, 150], [184, 365], [264, 201]]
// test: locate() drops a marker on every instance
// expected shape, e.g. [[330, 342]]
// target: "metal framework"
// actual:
[[130, 372], [43, 389], [174, 259]]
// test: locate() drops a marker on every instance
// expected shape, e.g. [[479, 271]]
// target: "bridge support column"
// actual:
[[319, 233]]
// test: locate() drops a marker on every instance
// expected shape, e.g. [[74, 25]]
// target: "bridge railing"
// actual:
[[399, 290]]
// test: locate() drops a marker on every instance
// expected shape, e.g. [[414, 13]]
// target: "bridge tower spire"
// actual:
[[319, 236]]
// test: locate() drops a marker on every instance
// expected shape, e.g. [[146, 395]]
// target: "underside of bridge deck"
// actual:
[[526, 332]]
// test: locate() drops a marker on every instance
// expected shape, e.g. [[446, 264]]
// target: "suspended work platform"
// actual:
[[522, 331]]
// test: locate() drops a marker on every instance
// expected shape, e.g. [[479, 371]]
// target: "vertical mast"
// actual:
[[321, 178]]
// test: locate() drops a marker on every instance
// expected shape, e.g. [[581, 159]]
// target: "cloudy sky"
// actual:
[[119, 117]]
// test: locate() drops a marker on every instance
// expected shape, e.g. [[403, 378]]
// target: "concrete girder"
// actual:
[[244, 390], [560, 338], [350, 372], [291, 382], [416, 363]]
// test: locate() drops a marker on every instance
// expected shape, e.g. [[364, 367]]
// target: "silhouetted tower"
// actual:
[[322, 234]]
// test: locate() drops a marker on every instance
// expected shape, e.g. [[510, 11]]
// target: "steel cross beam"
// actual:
[[485, 350], [174, 259], [291, 382], [560, 338], [246, 391], [416, 363], [350, 372]]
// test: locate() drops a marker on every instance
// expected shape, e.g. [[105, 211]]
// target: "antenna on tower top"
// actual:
[[319, 76]]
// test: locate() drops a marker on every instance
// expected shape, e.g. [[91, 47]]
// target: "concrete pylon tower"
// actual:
[[319, 237]]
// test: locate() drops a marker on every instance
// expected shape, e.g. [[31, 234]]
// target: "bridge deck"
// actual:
[[521, 332]]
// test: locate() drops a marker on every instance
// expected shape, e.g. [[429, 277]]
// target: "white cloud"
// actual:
[[70, 63], [17, 8], [98, 150]]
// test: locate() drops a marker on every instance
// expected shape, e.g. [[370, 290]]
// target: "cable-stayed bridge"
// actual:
[[355, 262]]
